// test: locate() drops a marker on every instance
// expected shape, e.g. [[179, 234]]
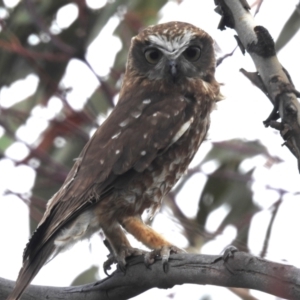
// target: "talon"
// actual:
[[164, 253], [108, 263], [105, 271], [149, 259], [229, 252], [120, 259]]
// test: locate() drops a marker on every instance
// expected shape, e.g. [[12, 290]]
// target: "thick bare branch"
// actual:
[[241, 270], [271, 77]]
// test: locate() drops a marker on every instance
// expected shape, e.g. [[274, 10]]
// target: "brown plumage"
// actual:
[[138, 153]]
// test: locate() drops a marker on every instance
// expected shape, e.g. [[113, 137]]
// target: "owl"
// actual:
[[137, 155]]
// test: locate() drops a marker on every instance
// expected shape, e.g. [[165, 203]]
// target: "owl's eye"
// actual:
[[153, 56], [192, 53]]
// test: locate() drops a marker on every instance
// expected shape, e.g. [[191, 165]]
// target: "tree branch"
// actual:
[[240, 270], [270, 77]]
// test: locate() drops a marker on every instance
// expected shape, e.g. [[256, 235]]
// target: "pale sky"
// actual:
[[240, 115]]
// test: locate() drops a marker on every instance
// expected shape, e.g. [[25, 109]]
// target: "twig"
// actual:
[[275, 208]]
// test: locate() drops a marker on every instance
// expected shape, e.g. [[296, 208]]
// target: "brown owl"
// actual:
[[138, 154]]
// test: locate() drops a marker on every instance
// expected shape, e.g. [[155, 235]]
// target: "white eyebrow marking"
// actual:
[[170, 45], [117, 151]]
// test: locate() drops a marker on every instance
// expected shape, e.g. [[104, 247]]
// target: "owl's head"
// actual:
[[173, 52]]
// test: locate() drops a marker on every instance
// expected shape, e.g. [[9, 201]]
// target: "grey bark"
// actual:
[[242, 270]]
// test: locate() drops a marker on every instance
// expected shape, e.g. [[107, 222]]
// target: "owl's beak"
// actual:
[[173, 67]]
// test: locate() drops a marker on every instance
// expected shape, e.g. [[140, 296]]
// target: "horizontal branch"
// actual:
[[241, 270]]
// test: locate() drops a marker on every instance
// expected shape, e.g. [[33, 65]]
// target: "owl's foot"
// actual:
[[164, 253], [229, 252], [120, 258]]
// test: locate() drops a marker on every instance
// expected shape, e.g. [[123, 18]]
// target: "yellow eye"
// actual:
[[192, 53], [153, 56]]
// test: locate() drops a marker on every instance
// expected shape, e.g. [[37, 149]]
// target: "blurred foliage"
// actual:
[[48, 60], [86, 276], [290, 28], [226, 185], [229, 186]]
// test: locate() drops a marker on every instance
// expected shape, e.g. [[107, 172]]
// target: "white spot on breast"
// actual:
[[116, 135], [145, 135], [136, 114], [146, 101], [124, 123], [117, 151], [143, 152], [101, 161], [182, 130], [154, 115]]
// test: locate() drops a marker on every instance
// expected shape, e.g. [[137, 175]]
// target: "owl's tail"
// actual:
[[30, 268]]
